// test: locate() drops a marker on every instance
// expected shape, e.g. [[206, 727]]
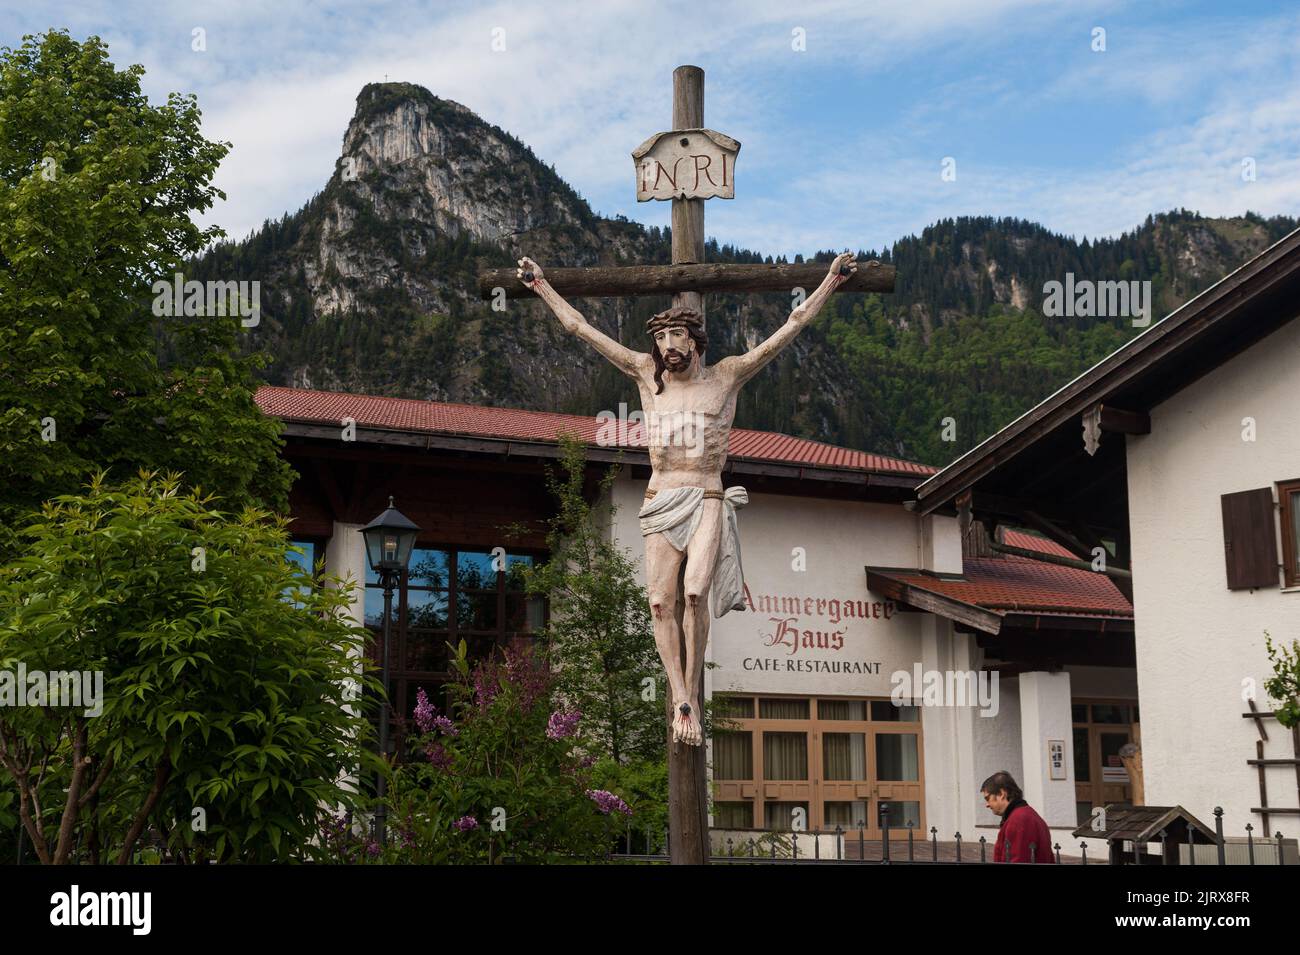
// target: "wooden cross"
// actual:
[[707, 174]]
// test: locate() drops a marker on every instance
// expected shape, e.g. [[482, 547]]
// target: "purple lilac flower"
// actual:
[[423, 711], [406, 831], [485, 686], [587, 761], [562, 725], [373, 848], [465, 823], [446, 726], [607, 802], [438, 755]]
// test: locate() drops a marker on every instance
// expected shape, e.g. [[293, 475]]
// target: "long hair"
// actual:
[[698, 335]]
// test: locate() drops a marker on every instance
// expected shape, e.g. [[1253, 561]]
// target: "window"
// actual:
[[780, 816], [733, 707], [311, 552], [785, 756], [844, 755], [901, 813], [835, 760], [847, 815], [733, 755], [842, 710], [896, 756], [733, 815], [1288, 495], [445, 596], [783, 709]]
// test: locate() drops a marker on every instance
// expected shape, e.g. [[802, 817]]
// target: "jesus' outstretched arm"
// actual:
[[624, 359], [749, 364]]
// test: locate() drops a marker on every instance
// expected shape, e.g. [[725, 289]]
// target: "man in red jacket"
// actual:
[[1021, 827]]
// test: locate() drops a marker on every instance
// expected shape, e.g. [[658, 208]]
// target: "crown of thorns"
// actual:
[[677, 315]]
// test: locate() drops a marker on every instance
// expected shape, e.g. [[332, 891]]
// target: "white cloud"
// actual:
[[584, 83]]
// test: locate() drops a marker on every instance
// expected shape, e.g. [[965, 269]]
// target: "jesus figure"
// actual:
[[689, 408]]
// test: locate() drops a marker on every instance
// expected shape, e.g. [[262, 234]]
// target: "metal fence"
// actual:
[[843, 847]]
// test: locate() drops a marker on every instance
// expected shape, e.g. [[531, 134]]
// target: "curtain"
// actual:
[[785, 755], [780, 815], [896, 757], [841, 709], [733, 707], [902, 812], [783, 709], [844, 756], [733, 815], [733, 755], [846, 814]]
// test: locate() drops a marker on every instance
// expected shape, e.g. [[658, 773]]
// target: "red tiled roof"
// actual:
[[1033, 542], [1018, 584], [402, 414]]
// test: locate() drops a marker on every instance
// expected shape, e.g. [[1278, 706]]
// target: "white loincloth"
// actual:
[[676, 513]]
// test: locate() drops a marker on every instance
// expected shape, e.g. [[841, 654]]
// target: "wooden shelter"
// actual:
[[1171, 826]]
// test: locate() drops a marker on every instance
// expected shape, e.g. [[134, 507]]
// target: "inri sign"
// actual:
[[686, 164]]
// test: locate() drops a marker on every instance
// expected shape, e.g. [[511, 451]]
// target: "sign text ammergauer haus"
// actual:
[[794, 627]]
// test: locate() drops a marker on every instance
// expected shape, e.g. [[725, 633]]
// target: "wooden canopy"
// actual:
[[1142, 824]]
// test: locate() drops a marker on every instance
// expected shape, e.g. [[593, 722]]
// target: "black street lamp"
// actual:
[[389, 539]]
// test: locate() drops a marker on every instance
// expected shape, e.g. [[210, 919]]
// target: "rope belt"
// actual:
[[708, 495]]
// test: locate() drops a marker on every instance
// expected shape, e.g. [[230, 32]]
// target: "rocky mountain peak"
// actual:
[[371, 287]]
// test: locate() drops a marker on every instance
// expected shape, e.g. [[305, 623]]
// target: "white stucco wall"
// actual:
[[1045, 716], [1196, 640], [950, 781], [996, 748]]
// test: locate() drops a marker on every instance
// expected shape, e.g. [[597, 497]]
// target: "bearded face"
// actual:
[[676, 347]]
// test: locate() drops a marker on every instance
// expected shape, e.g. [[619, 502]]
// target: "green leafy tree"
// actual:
[[230, 709], [1284, 685], [98, 193], [600, 637]]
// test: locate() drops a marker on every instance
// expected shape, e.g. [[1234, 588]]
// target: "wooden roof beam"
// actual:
[[1105, 418]]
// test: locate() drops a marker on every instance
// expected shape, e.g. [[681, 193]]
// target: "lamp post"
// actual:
[[389, 539]]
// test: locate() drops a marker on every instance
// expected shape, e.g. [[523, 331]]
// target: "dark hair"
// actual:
[[1002, 782], [698, 335]]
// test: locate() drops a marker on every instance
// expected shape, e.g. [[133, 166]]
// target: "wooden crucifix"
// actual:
[[688, 519]]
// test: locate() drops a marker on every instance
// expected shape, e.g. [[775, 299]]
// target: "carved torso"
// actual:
[[688, 425]]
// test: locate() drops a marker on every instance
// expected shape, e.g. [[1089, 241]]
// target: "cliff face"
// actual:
[[371, 288]]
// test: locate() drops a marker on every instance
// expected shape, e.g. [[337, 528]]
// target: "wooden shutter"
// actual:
[[1249, 543]]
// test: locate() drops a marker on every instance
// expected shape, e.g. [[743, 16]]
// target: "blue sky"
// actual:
[[842, 143]]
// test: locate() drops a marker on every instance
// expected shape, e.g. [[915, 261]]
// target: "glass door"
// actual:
[[1101, 728]]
